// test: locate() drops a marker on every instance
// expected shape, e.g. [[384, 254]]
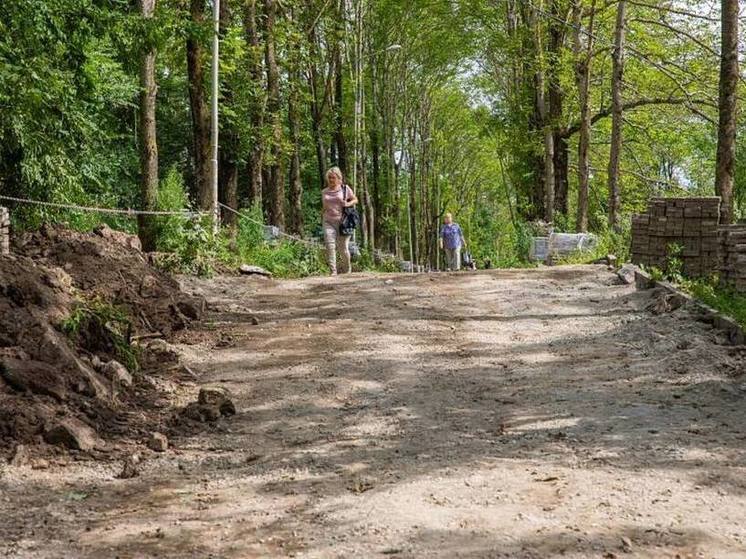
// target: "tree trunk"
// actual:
[[148, 140], [376, 176], [339, 135], [255, 71], [392, 198], [296, 185], [199, 109], [228, 140], [561, 173], [228, 188], [556, 98], [412, 169], [413, 214], [541, 107], [583, 79], [317, 125], [294, 126], [318, 107], [726, 150], [615, 154], [273, 198]]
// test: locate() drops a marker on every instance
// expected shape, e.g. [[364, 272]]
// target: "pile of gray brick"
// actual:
[[732, 264], [691, 224]]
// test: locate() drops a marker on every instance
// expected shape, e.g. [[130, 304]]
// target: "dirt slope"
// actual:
[[49, 377], [530, 414]]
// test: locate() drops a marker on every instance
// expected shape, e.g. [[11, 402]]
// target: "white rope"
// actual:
[[129, 212], [310, 242]]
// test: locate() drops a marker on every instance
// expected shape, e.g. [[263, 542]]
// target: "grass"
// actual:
[[719, 298], [97, 326], [708, 290]]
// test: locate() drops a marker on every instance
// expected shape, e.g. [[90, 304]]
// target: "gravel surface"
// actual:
[[529, 414]]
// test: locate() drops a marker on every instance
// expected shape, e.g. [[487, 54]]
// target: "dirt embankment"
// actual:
[[76, 314]]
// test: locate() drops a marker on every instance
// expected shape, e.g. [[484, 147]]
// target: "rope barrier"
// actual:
[[310, 242], [129, 211], [183, 213]]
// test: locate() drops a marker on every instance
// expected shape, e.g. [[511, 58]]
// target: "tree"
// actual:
[[148, 142], [294, 127], [726, 149], [257, 101], [228, 165], [431, 137], [198, 103], [583, 60], [273, 196], [543, 113], [615, 152]]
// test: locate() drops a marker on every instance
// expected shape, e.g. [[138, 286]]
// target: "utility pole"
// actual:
[[215, 128]]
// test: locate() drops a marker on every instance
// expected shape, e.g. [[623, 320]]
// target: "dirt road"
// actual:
[[529, 414]]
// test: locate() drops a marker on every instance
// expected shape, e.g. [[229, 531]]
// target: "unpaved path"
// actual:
[[530, 414]]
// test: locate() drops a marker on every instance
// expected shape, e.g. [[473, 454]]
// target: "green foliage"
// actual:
[[62, 93], [189, 242], [674, 263], [656, 274], [97, 326], [457, 97], [284, 258], [367, 262], [720, 298], [192, 248], [172, 196], [674, 268]]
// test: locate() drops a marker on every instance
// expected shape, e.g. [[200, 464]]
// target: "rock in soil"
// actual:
[[34, 376], [149, 287], [130, 467], [203, 413], [664, 302], [72, 433], [193, 310], [219, 397], [118, 373], [124, 239], [626, 274], [158, 442], [248, 270], [20, 456]]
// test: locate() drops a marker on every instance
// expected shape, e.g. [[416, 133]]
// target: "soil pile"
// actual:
[[71, 304], [109, 265]]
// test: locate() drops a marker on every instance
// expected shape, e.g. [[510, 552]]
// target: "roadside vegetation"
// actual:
[[509, 115]]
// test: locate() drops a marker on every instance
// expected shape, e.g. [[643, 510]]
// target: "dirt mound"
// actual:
[[71, 306], [109, 265]]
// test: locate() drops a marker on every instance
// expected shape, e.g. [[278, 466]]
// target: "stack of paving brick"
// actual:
[[733, 256], [688, 223], [4, 231]]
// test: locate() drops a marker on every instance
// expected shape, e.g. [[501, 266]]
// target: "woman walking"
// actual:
[[452, 240], [335, 198]]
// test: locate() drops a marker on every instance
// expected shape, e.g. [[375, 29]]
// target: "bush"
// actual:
[[189, 241], [284, 258]]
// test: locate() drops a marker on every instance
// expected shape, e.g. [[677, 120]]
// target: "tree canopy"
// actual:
[[503, 112]]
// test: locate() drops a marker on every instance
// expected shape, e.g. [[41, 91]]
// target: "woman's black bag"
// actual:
[[350, 217]]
